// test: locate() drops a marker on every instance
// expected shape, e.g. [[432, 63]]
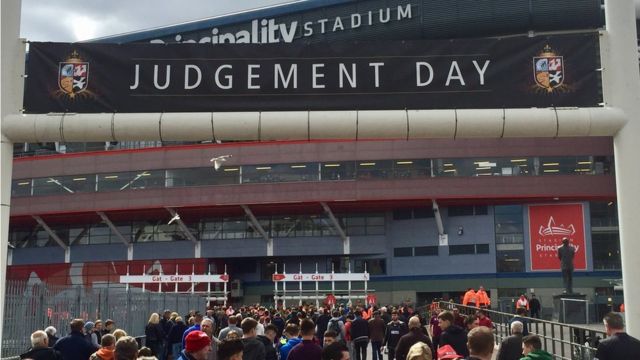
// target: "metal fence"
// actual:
[[31, 307], [563, 341]]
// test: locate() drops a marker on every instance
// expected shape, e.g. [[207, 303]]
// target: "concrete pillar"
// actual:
[[621, 88], [12, 66]]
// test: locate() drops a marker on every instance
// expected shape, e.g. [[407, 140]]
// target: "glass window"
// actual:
[[426, 250], [234, 228], [423, 212], [402, 214], [402, 251], [21, 188], [50, 186], [339, 264], [606, 250], [337, 170], [407, 169], [284, 227], [510, 261], [604, 214], [99, 234], [378, 169], [114, 181], [460, 211], [372, 266], [211, 229], [482, 248], [258, 174], [462, 249]]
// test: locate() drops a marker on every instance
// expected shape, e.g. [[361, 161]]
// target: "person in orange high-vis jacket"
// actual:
[[469, 298], [483, 299]]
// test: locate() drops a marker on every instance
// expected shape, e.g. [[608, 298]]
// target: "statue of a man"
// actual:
[[566, 253]]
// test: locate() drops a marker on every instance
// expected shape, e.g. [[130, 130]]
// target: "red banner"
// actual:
[[548, 224]]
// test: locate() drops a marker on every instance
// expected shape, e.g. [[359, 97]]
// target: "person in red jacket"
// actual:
[[483, 319]]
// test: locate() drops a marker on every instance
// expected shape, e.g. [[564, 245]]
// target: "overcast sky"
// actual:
[[74, 20]]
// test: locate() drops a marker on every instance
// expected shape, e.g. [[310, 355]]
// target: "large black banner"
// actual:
[[478, 73]]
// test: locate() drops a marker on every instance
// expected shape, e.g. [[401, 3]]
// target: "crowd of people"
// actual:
[[307, 333]]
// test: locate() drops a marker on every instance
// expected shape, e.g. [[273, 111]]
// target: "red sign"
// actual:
[[330, 300], [548, 224], [372, 299]]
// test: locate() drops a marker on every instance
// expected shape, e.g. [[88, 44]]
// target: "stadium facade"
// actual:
[[425, 218]]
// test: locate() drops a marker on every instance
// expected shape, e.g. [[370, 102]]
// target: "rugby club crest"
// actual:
[[73, 75], [548, 69]]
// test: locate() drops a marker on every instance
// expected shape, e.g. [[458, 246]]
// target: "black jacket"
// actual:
[[176, 332], [393, 333], [154, 333], [253, 349], [457, 338], [269, 349], [618, 346], [360, 330], [74, 347], [408, 340], [42, 354], [510, 348], [321, 323]]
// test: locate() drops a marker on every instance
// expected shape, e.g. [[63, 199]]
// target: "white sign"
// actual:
[[444, 240], [321, 277], [151, 279], [264, 31]]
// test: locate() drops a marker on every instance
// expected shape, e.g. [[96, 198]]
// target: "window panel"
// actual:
[[462, 249], [426, 250], [402, 251]]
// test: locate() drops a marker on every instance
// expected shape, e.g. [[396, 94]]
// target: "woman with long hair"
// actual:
[[155, 336]]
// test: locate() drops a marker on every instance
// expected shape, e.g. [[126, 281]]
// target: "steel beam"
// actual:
[[51, 233], [113, 228]]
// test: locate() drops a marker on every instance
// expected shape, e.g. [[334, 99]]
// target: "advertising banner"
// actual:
[[518, 72], [548, 224]]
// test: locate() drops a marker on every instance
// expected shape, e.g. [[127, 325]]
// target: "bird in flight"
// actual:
[[217, 161]]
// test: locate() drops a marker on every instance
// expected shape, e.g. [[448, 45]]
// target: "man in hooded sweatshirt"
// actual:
[[106, 352], [291, 332], [532, 349], [452, 334]]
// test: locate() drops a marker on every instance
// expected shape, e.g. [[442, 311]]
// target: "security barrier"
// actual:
[[31, 307]]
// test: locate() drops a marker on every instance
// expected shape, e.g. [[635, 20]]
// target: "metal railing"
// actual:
[[563, 341], [30, 307]]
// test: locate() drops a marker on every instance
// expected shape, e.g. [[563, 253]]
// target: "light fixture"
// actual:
[[551, 164], [331, 165], [298, 166], [263, 168], [518, 160], [368, 164], [404, 162], [231, 169]]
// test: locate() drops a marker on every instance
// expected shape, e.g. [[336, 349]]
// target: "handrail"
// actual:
[[563, 341]]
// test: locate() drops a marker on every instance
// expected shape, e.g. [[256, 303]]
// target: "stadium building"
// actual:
[[425, 218]]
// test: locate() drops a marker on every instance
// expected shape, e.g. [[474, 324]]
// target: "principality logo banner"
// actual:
[[515, 72], [548, 224]]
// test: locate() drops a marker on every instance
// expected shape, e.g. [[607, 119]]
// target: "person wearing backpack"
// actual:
[[336, 325]]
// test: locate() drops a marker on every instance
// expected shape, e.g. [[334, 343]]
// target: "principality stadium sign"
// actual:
[[267, 31]]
